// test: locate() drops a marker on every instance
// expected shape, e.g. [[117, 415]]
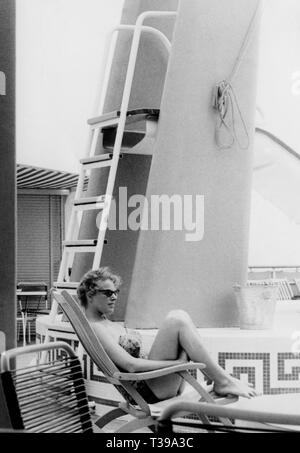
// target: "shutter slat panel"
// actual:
[[39, 238], [33, 263]]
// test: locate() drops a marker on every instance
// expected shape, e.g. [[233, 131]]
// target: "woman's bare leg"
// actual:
[[178, 333], [166, 346]]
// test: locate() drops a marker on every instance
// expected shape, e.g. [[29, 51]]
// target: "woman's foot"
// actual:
[[233, 386]]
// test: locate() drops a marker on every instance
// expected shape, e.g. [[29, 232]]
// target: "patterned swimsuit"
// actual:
[[132, 343]]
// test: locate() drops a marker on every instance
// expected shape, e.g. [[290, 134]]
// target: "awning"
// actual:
[[29, 177]]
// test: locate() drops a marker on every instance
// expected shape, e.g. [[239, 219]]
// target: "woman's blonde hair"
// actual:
[[89, 283]]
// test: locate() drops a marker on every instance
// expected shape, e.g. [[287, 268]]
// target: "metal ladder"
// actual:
[[117, 119]]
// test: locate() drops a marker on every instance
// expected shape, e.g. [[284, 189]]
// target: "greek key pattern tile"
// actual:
[[270, 373]]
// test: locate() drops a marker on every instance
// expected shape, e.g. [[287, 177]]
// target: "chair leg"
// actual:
[[109, 417], [24, 330], [136, 424]]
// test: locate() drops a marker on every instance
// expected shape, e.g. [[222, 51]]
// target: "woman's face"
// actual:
[[104, 300]]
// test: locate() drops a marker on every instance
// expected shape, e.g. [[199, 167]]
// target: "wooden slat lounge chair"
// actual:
[[144, 414]]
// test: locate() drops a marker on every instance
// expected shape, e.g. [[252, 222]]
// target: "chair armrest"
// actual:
[[146, 375]]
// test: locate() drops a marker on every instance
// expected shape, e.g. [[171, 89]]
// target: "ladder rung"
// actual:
[[89, 203], [112, 118], [66, 285], [103, 160], [86, 245], [108, 119]]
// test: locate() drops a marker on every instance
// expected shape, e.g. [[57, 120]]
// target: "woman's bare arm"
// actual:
[[125, 361]]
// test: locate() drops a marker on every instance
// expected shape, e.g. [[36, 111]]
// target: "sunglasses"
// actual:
[[108, 292]]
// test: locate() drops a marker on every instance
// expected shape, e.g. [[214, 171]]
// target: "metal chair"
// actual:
[[44, 398], [209, 419], [31, 302]]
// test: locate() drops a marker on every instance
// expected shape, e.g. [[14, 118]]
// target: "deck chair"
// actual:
[[243, 420], [43, 398], [144, 414]]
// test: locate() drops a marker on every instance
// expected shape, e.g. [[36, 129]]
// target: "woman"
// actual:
[[176, 341]]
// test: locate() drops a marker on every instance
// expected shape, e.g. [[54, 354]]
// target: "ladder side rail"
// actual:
[[105, 77], [108, 60], [111, 46], [138, 29], [146, 28]]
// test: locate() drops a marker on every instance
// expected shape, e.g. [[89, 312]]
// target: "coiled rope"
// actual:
[[225, 100]]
